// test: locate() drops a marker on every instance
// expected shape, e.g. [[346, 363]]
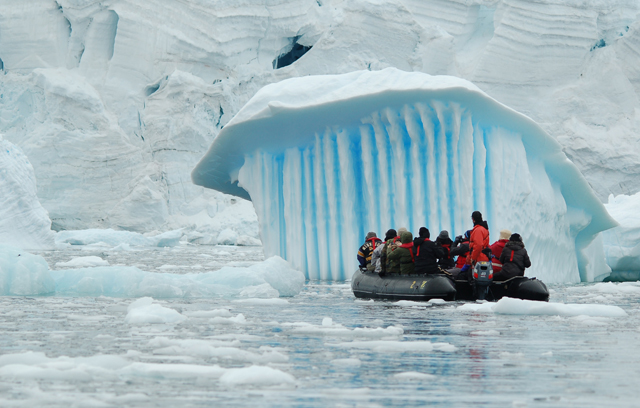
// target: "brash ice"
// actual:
[[327, 158]]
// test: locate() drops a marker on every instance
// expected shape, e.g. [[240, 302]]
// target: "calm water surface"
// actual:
[[486, 359]]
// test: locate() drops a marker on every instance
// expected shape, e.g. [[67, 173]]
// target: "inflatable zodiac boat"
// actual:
[[370, 285]]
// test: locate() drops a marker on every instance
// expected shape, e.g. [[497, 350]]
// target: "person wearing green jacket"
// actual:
[[401, 258]]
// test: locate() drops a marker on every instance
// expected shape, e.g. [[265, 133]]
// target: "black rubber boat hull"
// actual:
[[519, 287], [370, 285]]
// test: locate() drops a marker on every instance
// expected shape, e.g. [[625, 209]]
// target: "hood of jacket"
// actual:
[[515, 245]]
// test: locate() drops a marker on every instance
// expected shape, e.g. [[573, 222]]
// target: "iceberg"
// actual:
[[24, 223], [24, 274], [327, 158], [622, 243]]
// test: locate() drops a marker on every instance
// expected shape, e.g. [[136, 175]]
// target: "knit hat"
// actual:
[[505, 234], [401, 230], [424, 232], [476, 216], [444, 234], [390, 234], [515, 237], [467, 234], [371, 235], [406, 237]]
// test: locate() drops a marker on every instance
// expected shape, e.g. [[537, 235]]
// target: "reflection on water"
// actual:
[[442, 355]]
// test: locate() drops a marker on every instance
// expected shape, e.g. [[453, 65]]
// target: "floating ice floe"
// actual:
[[346, 362], [83, 261], [256, 375], [144, 311], [117, 239], [413, 376], [327, 158], [529, 307], [36, 365], [22, 273], [388, 346], [221, 351], [129, 281], [330, 329]]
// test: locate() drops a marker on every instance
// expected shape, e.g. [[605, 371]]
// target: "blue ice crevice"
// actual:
[[327, 158]]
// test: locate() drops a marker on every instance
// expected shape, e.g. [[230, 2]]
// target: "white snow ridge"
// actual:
[[327, 158]]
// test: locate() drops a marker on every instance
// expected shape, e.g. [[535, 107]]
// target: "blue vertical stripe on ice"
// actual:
[[327, 158]]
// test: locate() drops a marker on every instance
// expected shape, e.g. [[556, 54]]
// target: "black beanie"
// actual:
[[390, 234], [515, 237], [424, 232]]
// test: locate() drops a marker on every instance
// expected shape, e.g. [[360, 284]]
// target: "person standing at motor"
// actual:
[[426, 253], [366, 250], [478, 240], [514, 259]]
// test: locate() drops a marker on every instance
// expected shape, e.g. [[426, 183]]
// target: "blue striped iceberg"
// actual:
[[327, 158]]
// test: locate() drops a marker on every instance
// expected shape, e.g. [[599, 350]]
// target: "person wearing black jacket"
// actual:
[[426, 253], [444, 242], [514, 259]]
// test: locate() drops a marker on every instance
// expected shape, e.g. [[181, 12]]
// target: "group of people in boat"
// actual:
[[401, 253]]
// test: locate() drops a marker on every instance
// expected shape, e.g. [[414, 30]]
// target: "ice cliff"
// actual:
[[24, 222], [113, 102], [327, 158]]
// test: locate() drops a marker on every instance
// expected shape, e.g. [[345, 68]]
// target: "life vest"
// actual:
[[409, 246]]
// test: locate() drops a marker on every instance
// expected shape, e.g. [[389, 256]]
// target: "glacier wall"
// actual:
[[24, 223], [115, 101], [326, 159]]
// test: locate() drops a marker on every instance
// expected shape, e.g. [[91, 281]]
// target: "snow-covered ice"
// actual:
[[326, 158]]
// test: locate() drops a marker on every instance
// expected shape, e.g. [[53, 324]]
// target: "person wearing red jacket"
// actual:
[[496, 249], [479, 239]]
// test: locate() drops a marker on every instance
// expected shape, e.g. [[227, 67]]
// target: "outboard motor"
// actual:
[[482, 279]]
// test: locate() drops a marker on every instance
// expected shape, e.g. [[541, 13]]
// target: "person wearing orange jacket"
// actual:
[[479, 239]]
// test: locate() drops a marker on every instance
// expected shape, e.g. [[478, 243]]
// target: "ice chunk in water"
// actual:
[[22, 273]]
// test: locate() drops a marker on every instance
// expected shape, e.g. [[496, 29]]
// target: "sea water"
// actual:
[[320, 348]]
